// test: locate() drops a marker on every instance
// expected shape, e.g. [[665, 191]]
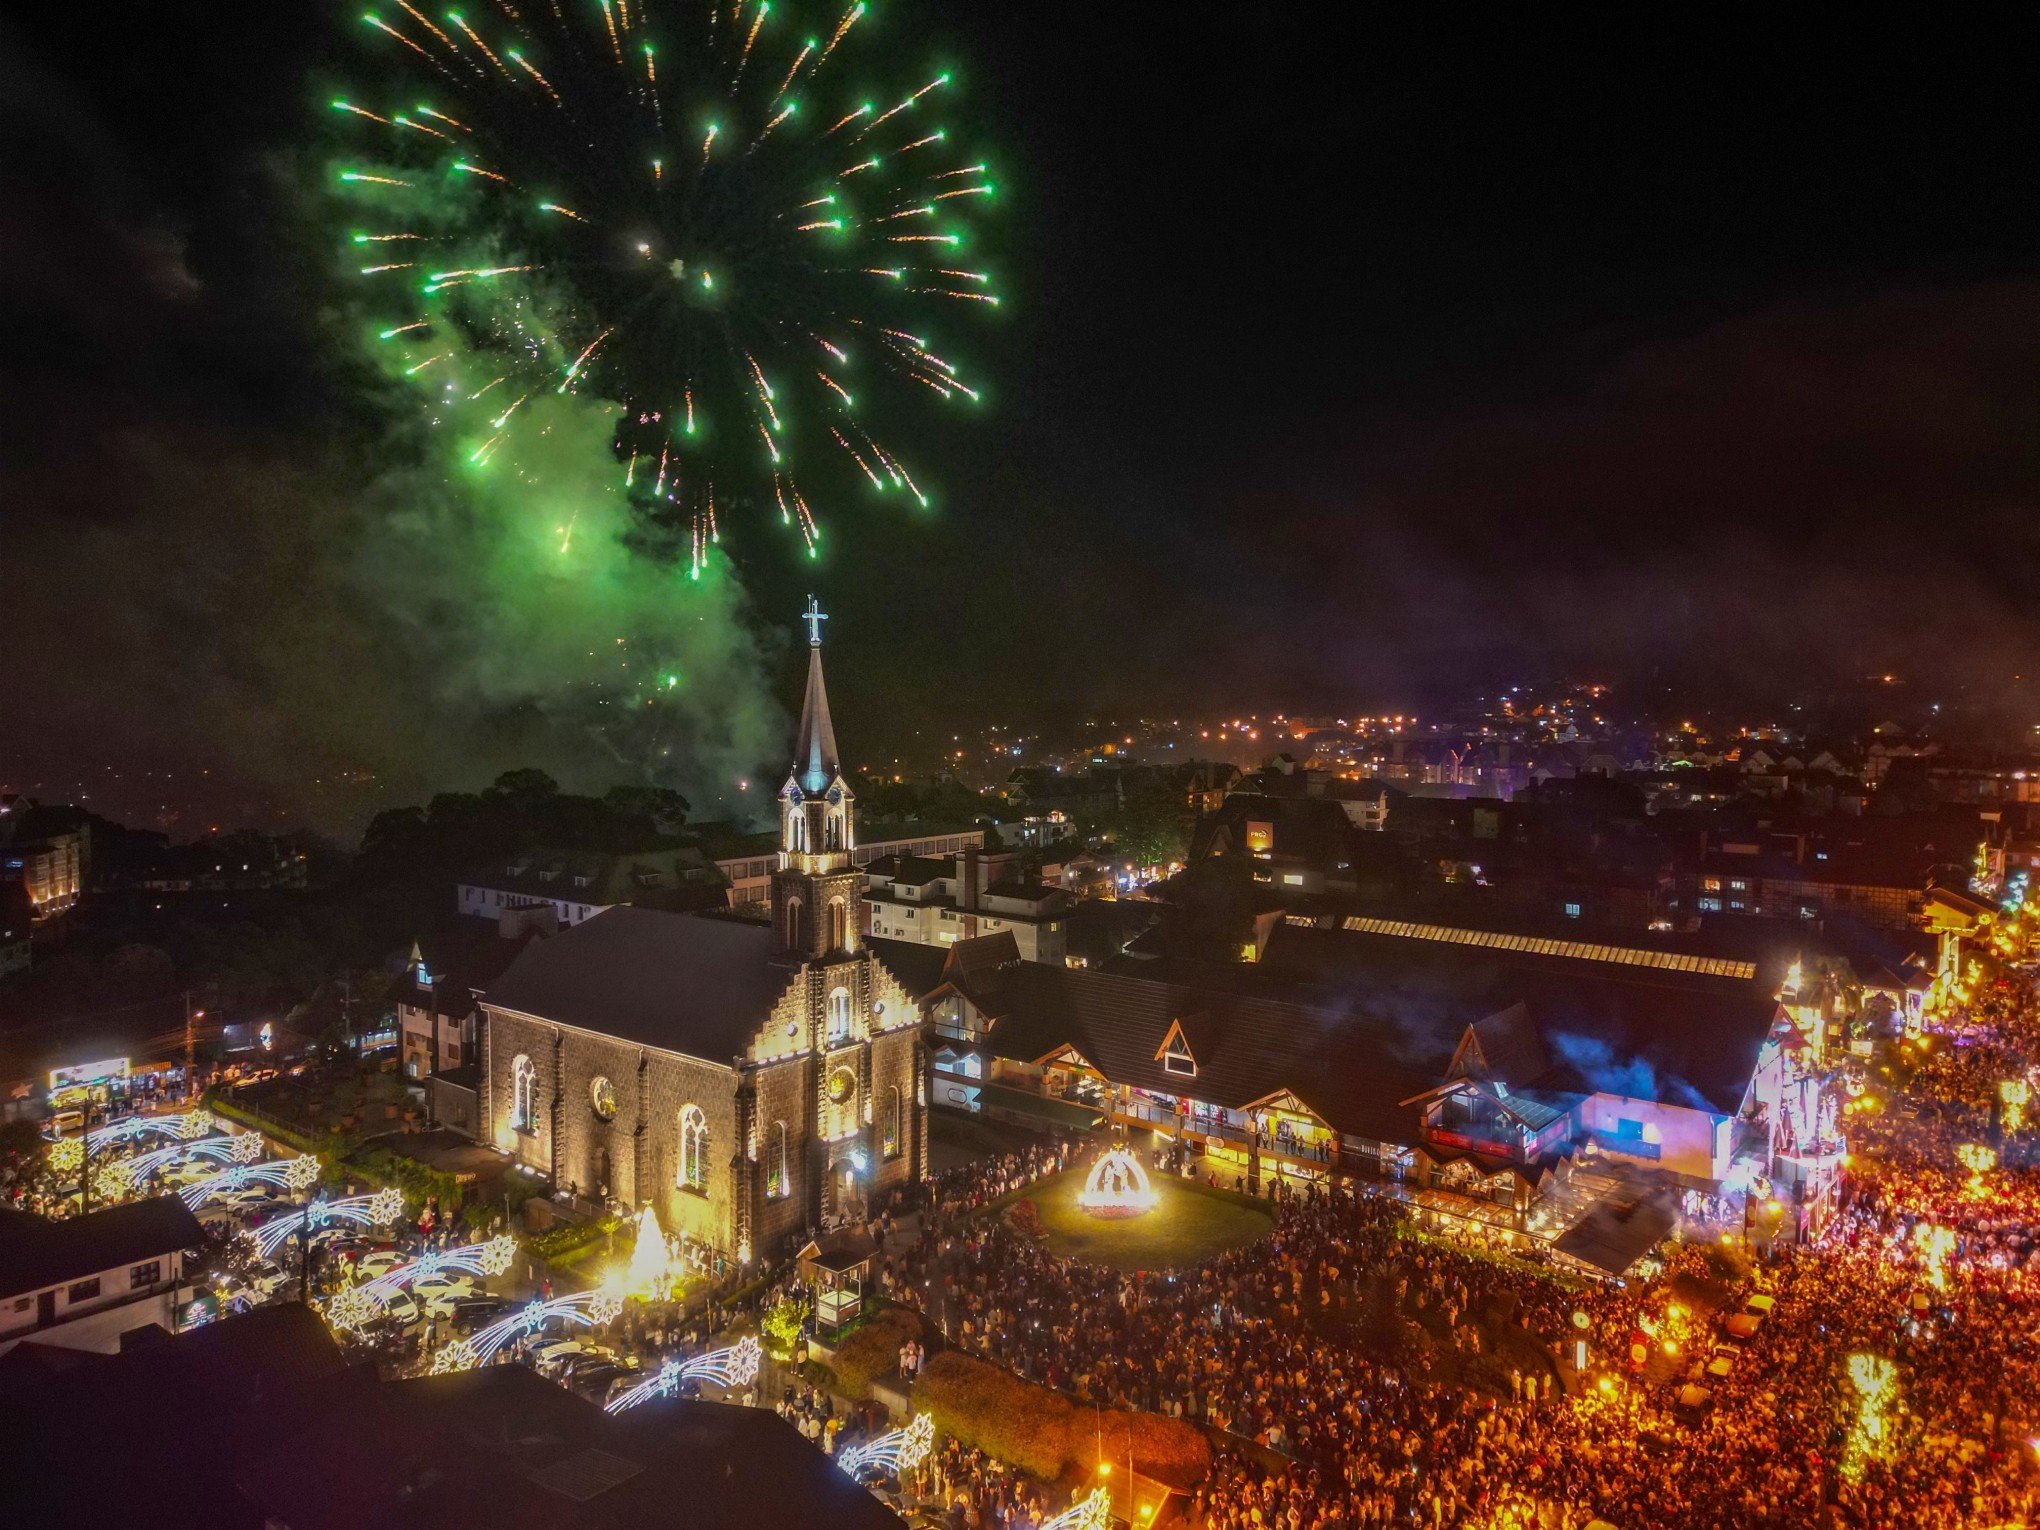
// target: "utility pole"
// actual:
[[190, 1049]]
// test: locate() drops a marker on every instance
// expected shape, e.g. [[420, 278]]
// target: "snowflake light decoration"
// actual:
[[386, 1205], [301, 1173], [497, 1254]]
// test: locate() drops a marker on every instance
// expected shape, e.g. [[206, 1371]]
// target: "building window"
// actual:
[[146, 1274], [693, 1149], [793, 935], [839, 925], [1572, 911], [892, 1122], [1178, 1060], [523, 1094], [82, 1290], [839, 1014], [777, 1187], [1710, 905]]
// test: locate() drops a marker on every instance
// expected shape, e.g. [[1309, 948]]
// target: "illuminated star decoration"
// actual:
[[329, 1217], [694, 216], [292, 1173], [1092, 1513], [493, 1257], [585, 1308], [736, 1365], [894, 1453]]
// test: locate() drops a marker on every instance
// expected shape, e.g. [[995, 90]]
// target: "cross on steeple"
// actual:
[[814, 618]]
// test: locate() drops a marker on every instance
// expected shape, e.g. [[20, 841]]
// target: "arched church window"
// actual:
[[839, 925], [523, 1094], [777, 1186], [839, 1014], [693, 1149], [794, 939], [892, 1122]]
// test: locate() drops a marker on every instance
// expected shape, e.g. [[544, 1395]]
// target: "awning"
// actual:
[[1056, 1112], [1618, 1230]]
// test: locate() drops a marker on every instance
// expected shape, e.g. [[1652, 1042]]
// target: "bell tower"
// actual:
[[816, 890]]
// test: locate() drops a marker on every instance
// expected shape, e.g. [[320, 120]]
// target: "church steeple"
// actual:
[[814, 757], [816, 891]]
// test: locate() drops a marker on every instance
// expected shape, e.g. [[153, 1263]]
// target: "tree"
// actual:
[[527, 787], [1151, 826], [664, 809]]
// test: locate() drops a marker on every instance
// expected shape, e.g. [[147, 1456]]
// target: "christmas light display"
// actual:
[[1091, 1513], [894, 1453], [2016, 1094], [299, 1173], [1935, 1245], [325, 1218], [358, 1305], [736, 1365], [187, 1127], [1875, 1379], [1979, 1159], [245, 1148], [1117, 1186], [684, 214], [587, 1308], [651, 1269]]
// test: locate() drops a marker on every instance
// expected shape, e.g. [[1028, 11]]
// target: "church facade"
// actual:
[[746, 1081]]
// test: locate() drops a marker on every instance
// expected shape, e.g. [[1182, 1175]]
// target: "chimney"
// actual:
[[971, 872]]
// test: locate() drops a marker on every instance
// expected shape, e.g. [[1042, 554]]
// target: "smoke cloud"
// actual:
[[222, 555]]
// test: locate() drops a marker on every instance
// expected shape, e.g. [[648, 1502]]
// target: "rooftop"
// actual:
[[36, 1253], [684, 983]]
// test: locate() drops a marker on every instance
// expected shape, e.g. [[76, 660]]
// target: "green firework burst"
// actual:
[[681, 211]]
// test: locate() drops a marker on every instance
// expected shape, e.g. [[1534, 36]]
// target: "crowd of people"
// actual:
[[1357, 1374]]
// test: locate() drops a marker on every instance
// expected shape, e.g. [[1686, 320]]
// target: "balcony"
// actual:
[[1474, 1142], [1629, 1147]]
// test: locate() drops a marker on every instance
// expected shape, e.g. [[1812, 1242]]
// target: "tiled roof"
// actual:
[[35, 1253], [1353, 1069], [684, 983], [1679, 1037]]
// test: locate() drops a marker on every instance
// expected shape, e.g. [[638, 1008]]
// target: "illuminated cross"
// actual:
[[814, 618]]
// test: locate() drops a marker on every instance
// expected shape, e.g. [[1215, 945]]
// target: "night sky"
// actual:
[[1344, 362]]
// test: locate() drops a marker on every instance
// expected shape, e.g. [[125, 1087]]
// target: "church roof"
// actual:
[[680, 982], [814, 757]]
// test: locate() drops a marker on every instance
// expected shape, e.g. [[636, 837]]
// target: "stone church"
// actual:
[[744, 1080]]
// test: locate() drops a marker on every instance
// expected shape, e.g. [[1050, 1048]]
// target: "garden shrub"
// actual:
[[1044, 1433], [873, 1349], [994, 1411]]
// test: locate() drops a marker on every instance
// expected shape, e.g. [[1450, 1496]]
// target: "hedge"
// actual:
[[873, 1350], [1044, 1433], [994, 1411], [554, 1246]]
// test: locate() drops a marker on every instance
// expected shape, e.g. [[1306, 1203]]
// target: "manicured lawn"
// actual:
[[1187, 1226]]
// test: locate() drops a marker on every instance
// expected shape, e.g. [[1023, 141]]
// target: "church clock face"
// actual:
[[602, 1098]]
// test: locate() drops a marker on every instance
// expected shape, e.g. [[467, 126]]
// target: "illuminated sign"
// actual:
[[82, 1074]]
